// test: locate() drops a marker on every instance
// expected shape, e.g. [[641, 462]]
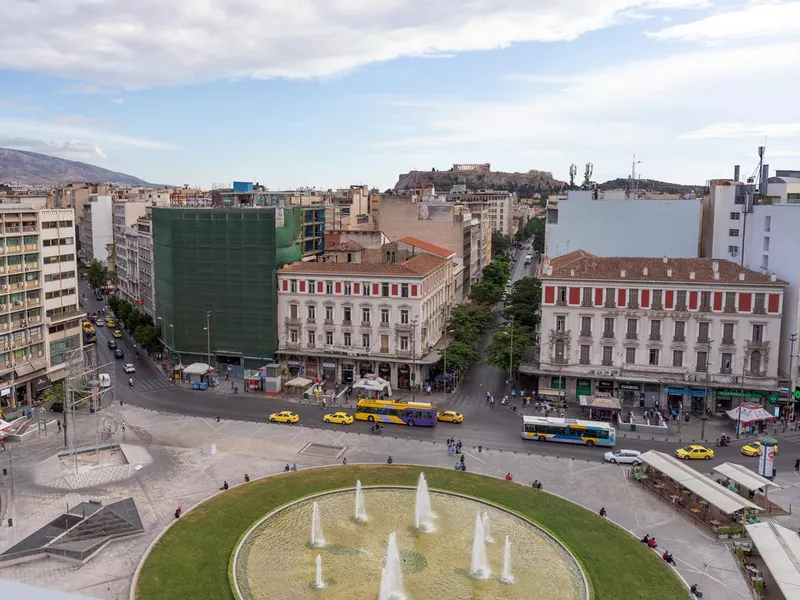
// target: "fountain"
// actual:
[[392, 575], [506, 576], [423, 515], [361, 512], [319, 584], [486, 535], [479, 567], [317, 540]]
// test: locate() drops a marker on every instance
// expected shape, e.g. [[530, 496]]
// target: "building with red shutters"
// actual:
[[686, 333], [341, 321]]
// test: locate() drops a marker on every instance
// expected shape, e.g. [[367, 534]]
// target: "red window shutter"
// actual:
[[302, 286], [338, 287], [669, 299], [774, 303], [745, 303], [621, 295], [414, 289], [394, 289], [549, 294], [356, 289], [717, 301], [376, 289], [285, 285], [598, 296], [692, 300], [574, 296], [645, 298], [320, 287]]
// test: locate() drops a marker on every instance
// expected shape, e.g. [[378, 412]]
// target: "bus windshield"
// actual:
[[421, 414], [571, 431]]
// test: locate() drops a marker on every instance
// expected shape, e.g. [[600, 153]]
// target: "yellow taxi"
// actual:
[[111, 323], [694, 452], [342, 418], [116, 333], [755, 448], [285, 416], [450, 416]]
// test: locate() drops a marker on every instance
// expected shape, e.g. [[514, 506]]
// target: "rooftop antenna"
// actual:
[[633, 179], [587, 176], [573, 171]]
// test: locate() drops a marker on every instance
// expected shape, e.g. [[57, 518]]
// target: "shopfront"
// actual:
[[630, 392], [348, 371], [5, 397], [329, 372], [385, 371], [583, 387], [558, 383], [606, 386], [365, 368], [312, 368], [729, 398], [684, 400]]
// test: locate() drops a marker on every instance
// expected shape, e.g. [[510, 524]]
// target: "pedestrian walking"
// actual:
[[247, 478], [59, 425], [178, 512], [344, 461], [797, 465]]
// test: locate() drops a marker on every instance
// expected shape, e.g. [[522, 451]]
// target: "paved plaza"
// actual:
[[164, 467]]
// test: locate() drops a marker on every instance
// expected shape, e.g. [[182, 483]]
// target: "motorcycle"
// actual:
[[376, 430], [723, 441], [130, 381]]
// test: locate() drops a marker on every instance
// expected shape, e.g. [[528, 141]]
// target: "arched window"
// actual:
[[559, 349], [755, 362]]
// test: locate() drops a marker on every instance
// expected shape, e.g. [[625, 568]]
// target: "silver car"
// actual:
[[623, 457]]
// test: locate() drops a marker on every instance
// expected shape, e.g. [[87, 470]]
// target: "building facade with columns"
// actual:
[[341, 321], [688, 334]]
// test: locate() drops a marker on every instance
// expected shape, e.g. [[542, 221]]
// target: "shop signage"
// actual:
[[630, 386], [797, 393], [328, 365], [42, 419], [605, 385], [682, 391], [746, 394], [558, 383], [583, 387]]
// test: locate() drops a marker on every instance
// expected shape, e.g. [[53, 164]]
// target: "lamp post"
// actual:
[[741, 395], [792, 340], [705, 399], [172, 332], [208, 336], [511, 358], [446, 315], [414, 359]]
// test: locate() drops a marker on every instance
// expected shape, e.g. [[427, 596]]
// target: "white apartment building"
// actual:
[[683, 333], [96, 230], [126, 247], [611, 225], [500, 206], [340, 321], [39, 312], [146, 281], [757, 228]]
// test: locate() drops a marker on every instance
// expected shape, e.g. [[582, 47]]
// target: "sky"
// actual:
[[329, 93]]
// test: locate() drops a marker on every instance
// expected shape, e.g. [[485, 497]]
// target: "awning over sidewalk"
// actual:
[[709, 490], [745, 477], [747, 413], [779, 548]]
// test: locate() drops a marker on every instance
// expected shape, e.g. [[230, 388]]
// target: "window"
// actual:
[[561, 323], [293, 311], [60, 350], [348, 288], [404, 317], [633, 327], [587, 296], [735, 216], [630, 356], [702, 331], [654, 357], [766, 244], [385, 290], [404, 290], [765, 261], [608, 327], [705, 300], [758, 333], [730, 301], [677, 358], [680, 331], [329, 338], [365, 342], [348, 338], [726, 363], [585, 354], [59, 276], [293, 285], [733, 232], [759, 303], [329, 287], [655, 330], [586, 326], [680, 300], [702, 362], [365, 315], [312, 286], [329, 314], [633, 298], [366, 288], [610, 298], [384, 316], [562, 294], [657, 302], [607, 355], [767, 223], [312, 338], [727, 333], [755, 362], [559, 350], [293, 336], [312, 312], [404, 343], [347, 314], [733, 250]]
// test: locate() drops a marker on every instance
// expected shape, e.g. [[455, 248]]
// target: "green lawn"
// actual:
[[191, 560]]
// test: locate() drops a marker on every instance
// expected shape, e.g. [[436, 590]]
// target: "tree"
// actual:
[[535, 229], [500, 243], [486, 293], [470, 322], [98, 275], [147, 336], [496, 272], [460, 355], [524, 301], [499, 351]]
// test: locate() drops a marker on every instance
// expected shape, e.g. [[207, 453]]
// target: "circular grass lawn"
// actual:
[[192, 558]]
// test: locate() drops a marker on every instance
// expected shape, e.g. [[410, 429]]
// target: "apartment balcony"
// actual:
[[705, 308], [29, 228], [384, 325], [759, 310], [680, 307], [384, 350], [757, 345], [681, 339], [31, 266], [703, 339], [34, 320], [29, 285], [311, 345], [729, 309], [726, 371], [656, 306], [587, 303], [293, 345], [607, 363], [404, 327], [563, 334], [611, 304], [31, 248], [655, 337], [404, 353], [14, 268], [633, 305], [11, 230], [560, 360], [311, 321], [701, 369], [585, 333], [13, 249], [760, 374], [608, 335], [585, 361], [327, 322], [631, 335], [728, 341], [292, 321], [366, 324], [347, 323]]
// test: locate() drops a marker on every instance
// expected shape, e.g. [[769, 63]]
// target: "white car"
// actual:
[[129, 368], [623, 457]]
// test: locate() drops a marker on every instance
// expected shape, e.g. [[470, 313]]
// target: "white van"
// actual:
[[105, 380]]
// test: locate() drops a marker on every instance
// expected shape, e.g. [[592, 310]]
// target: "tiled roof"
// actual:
[[346, 246], [427, 246], [583, 265], [416, 266]]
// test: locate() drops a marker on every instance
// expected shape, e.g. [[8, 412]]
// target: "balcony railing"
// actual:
[[610, 304], [703, 339], [656, 306], [728, 341], [726, 371], [655, 337], [705, 308], [366, 324], [680, 307], [347, 323], [607, 362], [730, 308], [633, 305], [328, 322], [292, 321], [631, 335], [586, 333], [608, 335], [759, 310], [755, 344], [679, 338], [559, 360]]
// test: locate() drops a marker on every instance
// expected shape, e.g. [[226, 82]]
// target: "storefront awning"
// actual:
[[41, 383], [747, 413], [23, 369]]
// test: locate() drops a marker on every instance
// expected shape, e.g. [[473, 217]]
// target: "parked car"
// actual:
[[623, 457]]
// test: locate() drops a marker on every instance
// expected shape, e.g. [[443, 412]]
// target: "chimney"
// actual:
[[669, 272], [572, 272], [644, 272], [773, 278], [715, 267], [736, 170], [622, 274], [716, 275], [741, 276], [691, 274], [665, 260]]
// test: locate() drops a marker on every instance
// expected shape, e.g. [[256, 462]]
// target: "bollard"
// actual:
[[480, 448], [10, 522]]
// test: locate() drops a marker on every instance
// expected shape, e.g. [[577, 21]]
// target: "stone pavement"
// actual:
[[173, 471]]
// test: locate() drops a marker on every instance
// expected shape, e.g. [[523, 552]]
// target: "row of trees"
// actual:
[[137, 323], [534, 228]]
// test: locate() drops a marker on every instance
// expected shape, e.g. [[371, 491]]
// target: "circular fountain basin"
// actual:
[[275, 560]]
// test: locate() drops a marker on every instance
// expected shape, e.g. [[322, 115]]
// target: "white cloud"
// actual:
[[118, 100], [737, 130], [541, 78], [118, 43], [72, 150], [754, 20]]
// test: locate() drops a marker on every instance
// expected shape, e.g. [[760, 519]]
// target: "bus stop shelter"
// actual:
[[779, 548], [747, 479]]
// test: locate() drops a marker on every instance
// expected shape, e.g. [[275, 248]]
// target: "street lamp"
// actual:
[[172, 332], [207, 329], [511, 357], [741, 396], [414, 359], [705, 398], [792, 340]]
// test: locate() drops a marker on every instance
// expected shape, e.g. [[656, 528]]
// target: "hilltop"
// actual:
[[663, 187], [525, 184], [32, 168]]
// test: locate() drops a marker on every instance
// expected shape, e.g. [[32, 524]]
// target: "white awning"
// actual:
[[744, 476], [709, 490], [298, 382], [779, 548], [196, 369]]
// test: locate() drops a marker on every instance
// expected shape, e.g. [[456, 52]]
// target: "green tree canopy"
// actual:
[[460, 355], [535, 229], [470, 322], [97, 275], [498, 271], [486, 293], [524, 301], [499, 352], [500, 243]]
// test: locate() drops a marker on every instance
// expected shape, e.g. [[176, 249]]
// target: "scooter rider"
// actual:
[[130, 381]]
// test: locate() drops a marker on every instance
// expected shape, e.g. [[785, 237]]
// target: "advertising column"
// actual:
[[766, 462]]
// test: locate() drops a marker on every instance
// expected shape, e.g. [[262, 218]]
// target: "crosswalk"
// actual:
[[153, 384]]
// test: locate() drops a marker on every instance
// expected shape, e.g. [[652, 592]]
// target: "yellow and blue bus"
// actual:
[[571, 431], [421, 414]]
